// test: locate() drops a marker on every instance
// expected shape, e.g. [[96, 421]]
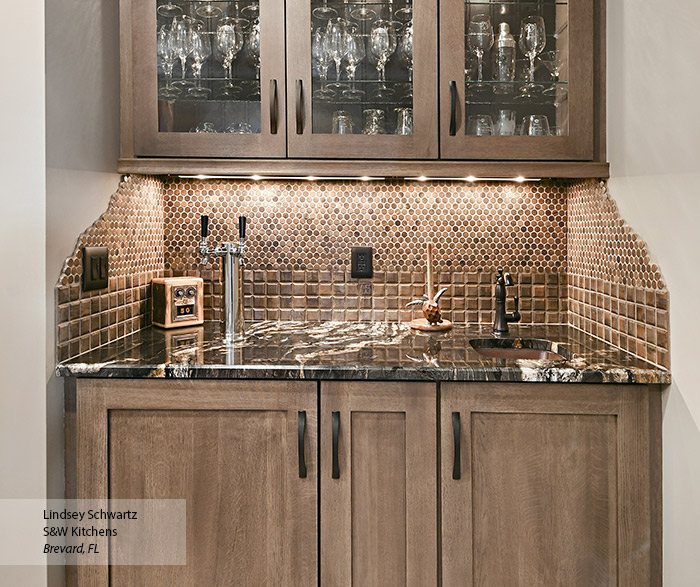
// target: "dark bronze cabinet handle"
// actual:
[[453, 108], [336, 427], [301, 431], [457, 463], [273, 106], [300, 107]]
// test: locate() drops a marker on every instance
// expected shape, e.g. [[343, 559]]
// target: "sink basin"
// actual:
[[520, 348]]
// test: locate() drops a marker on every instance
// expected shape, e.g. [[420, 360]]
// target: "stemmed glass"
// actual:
[[229, 41], [324, 11], [354, 48], [480, 39], [252, 49], [201, 50], [532, 41], [552, 61], [208, 10], [405, 13], [181, 34], [321, 55], [335, 34], [382, 44], [168, 57], [362, 12], [252, 10], [169, 10], [405, 53]]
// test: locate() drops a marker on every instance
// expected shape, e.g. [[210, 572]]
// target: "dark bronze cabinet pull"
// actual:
[[300, 107], [453, 108], [301, 431], [457, 464], [336, 427], [273, 106]]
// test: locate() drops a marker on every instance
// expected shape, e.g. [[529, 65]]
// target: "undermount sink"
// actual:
[[520, 348]]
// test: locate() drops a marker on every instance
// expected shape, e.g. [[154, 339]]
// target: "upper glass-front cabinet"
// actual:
[[365, 79], [517, 79], [210, 78]]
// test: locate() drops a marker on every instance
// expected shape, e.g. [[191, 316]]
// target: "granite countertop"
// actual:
[[360, 350]]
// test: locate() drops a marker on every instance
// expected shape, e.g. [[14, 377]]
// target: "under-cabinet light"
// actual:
[[255, 177], [519, 179]]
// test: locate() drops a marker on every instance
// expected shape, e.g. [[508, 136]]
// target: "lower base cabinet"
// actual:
[[550, 485], [536, 484]]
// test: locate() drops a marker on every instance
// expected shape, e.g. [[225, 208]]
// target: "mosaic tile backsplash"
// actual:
[[298, 252]]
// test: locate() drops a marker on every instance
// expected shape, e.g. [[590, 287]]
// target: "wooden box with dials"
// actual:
[[178, 301]]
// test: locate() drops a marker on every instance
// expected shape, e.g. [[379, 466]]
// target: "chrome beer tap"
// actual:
[[232, 255]]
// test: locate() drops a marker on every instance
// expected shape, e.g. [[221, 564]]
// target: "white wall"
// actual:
[[82, 147], [654, 150], [22, 165]]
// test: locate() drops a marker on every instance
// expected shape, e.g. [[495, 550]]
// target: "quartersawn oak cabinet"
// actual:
[[256, 87]]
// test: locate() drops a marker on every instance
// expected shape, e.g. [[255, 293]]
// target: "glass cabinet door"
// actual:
[[363, 79], [210, 78], [517, 79]]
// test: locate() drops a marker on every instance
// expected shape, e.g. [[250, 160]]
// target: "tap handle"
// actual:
[[205, 226], [509, 279], [241, 227], [516, 301]]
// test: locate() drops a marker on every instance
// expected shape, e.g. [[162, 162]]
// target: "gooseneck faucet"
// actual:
[[500, 324], [232, 255]]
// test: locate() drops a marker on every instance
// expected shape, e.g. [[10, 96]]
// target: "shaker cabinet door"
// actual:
[[549, 485], [517, 79], [378, 484], [207, 78], [233, 450], [362, 79]]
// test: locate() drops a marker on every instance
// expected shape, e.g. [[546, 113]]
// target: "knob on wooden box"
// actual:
[[178, 301]]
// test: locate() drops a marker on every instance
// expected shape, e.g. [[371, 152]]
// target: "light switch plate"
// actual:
[[95, 268]]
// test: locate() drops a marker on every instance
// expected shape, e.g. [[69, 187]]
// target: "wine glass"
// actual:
[[252, 47], [405, 13], [168, 57], [252, 10], [229, 41], [321, 55], [208, 10], [324, 11], [361, 12], [181, 34], [480, 39], [405, 53], [335, 34], [552, 61], [532, 41], [382, 44], [169, 10], [201, 50], [354, 54]]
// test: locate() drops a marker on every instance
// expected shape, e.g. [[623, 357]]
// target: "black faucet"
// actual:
[[500, 324]]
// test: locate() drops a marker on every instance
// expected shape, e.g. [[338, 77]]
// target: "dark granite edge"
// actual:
[[295, 372]]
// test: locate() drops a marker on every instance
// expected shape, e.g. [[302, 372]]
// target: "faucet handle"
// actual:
[[509, 279], [516, 301], [241, 227], [205, 226]]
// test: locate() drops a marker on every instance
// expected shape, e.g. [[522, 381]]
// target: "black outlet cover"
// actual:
[[361, 262], [95, 271]]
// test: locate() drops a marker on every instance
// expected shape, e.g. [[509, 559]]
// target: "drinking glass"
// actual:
[[362, 12], [169, 10], [405, 13], [480, 39], [324, 11], [382, 44], [229, 41], [208, 10], [375, 120], [252, 47], [335, 34], [505, 123], [168, 57], [479, 125], [535, 125], [354, 54], [181, 35], [206, 127], [252, 10], [201, 50], [552, 61], [404, 121], [342, 123], [532, 40], [321, 55], [405, 49], [239, 128]]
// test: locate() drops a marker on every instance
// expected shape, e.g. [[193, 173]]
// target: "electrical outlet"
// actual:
[[95, 271], [361, 262]]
